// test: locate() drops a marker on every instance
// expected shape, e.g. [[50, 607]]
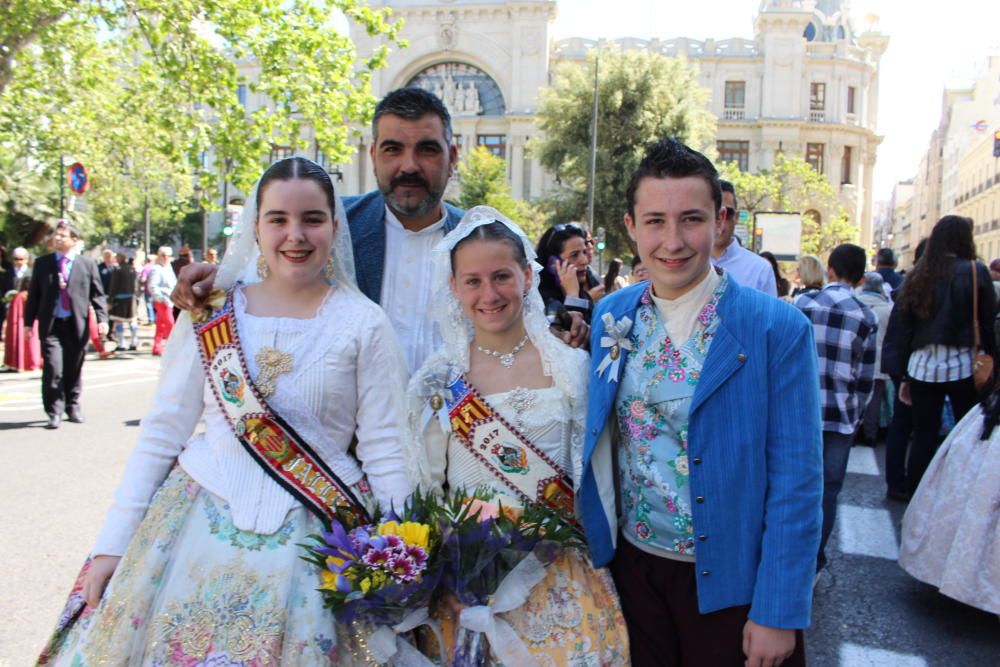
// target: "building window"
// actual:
[[281, 152], [241, 94], [814, 156], [845, 165], [734, 151], [851, 99], [735, 100], [321, 158], [494, 143], [817, 102]]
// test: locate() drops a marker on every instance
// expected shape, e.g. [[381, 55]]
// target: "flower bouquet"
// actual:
[[495, 551], [382, 575]]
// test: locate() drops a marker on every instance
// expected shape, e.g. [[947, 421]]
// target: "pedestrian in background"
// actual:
[[106, 267], [748, 268], [995, 276], [20, 352], [162, 281], [845, 331], [123, 306], [639, 270], [147, 298], [8, 282], [885, 266], [780, 281], [872, 294], [937, 337], [212, 256], [64, 286], [810, 275], [562, 252]]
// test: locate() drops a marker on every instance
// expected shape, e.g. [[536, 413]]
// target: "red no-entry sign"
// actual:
[[77, 176]]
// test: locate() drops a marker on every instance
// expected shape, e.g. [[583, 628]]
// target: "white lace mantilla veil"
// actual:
[[239, 264], [568, 367]]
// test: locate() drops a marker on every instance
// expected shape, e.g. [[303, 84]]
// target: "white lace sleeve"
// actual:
[[163, 433]]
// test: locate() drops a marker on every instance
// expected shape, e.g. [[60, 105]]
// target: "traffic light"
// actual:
[[996, 144], [602, 235], [227, 230]]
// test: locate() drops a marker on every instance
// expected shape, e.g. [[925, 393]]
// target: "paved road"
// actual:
[[56, 486]]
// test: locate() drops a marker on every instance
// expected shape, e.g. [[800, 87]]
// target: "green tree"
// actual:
[[793, 185], [641, 97], [482, 179], [140, 90]]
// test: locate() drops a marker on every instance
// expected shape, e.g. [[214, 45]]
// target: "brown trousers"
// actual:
[[660, 601]]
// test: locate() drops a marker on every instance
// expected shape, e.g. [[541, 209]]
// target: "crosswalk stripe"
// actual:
[[855, 655], [866, 531], [862, 461]]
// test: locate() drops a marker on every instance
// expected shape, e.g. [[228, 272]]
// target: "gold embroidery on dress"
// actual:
[[273, 363]]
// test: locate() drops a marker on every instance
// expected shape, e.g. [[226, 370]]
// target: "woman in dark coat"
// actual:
[[562, 252], [936, 337], [123, 300]]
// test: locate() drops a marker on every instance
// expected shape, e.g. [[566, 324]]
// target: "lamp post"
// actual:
[[199, 192]]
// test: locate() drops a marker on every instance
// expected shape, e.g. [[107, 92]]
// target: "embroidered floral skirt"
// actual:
[[572, 618], [951, 529], [193, 590]]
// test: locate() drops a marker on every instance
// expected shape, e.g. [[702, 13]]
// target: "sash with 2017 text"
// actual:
[[520, 465], [271, 441]]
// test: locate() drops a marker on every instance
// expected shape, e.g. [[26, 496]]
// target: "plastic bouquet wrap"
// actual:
[[379, 578], [495, 552]]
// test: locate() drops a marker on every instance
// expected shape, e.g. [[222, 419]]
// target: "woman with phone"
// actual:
[[562, 250]]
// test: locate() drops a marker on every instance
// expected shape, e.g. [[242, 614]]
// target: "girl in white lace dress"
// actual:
[[201, 544], [498, 344]]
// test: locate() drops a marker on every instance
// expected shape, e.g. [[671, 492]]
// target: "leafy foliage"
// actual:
[[793, 185], [140, 90], [482, 179], [641, 97]]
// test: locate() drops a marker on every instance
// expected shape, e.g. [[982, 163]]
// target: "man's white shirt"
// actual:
[[408, 284], [748, 268]]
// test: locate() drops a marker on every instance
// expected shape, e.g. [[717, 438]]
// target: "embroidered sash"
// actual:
[[272, 442], [508, 455]]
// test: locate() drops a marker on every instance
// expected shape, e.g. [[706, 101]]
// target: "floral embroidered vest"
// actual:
[[652, 407]]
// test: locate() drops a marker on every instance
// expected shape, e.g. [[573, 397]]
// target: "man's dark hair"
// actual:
[[885, 257], [848, 262], [728, 187], [70, 228], [669, 158], [636, 261], [412, 104], [297, 167]]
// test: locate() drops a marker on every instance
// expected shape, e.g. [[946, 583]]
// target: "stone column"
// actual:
[[517, 167]]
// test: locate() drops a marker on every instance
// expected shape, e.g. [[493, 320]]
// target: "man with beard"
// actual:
[[394, 228]]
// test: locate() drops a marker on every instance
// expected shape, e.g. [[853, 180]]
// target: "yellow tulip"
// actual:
[[414, 534]]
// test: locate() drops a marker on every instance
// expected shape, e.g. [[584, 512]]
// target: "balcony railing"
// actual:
[[817, 116], [734, 114]]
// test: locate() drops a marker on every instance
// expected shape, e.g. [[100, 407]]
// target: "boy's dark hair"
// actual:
[[636, 261], [412, 104], [848, 262], [495, 231], [670, 158], [297, 167]]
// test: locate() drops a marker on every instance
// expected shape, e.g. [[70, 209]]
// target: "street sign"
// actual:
[[980, 126], [77, 176]]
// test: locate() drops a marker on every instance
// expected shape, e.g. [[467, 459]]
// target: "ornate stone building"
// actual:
[[806, 84]]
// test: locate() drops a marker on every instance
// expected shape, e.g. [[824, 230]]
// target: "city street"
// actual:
[[57, 485]]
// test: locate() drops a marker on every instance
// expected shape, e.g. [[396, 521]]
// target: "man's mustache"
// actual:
[[410, 179]]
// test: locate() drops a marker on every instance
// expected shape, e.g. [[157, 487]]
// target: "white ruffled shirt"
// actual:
[[408, 285], [344, 359]]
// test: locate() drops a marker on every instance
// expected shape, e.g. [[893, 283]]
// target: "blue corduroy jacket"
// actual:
[[755, 457], [366, 219]]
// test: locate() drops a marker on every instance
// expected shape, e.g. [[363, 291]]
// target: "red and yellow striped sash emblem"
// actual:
[[467, 412], [217, 334]]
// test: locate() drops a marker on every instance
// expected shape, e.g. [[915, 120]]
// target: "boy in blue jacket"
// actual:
[[703, 456]]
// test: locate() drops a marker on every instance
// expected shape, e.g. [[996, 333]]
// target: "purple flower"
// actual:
[[418, 555], [403, 569], [376, 557]]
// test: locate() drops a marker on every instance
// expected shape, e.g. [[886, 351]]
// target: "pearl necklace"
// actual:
[[506, 359]]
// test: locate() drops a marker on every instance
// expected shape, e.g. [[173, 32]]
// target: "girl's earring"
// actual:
[[262, 269], [329, 269]]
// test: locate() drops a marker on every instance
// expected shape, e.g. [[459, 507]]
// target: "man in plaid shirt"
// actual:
[[845, 340]]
